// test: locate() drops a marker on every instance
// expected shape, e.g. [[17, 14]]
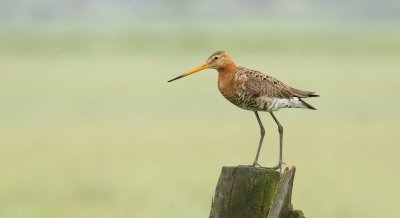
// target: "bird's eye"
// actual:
[[216, 58]]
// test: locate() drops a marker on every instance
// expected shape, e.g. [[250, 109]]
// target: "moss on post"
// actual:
[[248, 192], [297, 214]]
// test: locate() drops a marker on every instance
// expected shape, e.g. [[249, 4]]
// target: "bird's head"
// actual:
[[218, 60]]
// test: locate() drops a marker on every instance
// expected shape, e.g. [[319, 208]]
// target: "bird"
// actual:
[[254, 91]]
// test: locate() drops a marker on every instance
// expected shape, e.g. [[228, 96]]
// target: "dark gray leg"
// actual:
[[262, 133], [280, 130]]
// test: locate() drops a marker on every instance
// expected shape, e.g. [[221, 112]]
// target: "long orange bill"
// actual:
[[197, 69]]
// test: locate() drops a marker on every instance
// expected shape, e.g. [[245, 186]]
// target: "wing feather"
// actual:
[[261, 84]]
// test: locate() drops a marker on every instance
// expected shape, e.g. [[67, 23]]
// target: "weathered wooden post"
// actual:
[[248, 192]]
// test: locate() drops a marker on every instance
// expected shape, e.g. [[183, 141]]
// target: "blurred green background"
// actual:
[[89, 127]]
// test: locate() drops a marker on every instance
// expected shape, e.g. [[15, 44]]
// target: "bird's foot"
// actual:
[[254, 165], [278, 166]]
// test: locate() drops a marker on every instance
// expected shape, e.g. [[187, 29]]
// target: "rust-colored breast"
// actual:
[[231, 84]]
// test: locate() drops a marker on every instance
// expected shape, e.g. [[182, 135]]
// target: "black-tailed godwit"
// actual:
[[254, 91]]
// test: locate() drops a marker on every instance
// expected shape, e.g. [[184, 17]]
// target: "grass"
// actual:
[[176, 37], [104, 135]]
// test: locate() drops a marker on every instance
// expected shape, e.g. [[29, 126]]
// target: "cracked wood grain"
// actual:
[[248, 192]]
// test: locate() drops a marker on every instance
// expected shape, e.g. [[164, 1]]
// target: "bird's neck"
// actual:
[[226, 80], [227, 71]]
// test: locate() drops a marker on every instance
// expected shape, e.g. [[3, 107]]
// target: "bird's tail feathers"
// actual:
[[312, 94], [308, 106]]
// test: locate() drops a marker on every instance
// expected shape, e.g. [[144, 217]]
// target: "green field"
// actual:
[[90, 127]]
